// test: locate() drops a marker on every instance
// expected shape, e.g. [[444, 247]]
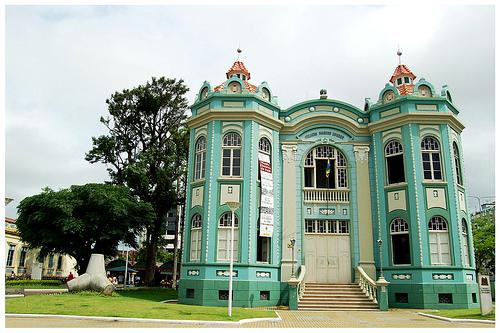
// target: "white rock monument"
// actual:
[[94, 278]]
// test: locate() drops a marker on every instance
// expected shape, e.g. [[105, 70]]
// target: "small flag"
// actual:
[[328, 169]]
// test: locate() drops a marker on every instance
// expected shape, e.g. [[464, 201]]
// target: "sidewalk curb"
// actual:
[[14, 295], [457, 320], [167, 321]]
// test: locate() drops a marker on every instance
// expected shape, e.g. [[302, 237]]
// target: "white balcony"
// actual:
[[324, 195]]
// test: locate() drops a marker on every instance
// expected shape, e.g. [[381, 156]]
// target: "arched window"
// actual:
[[431, 159], [195, 250], [458, 169], [400, 239], [439, 241], [200, 157], [394, 162], [231, 155], [204, 93], [224, 238], [264, 146], [234, 87], [325, 167], [465, 243], [266, 94]]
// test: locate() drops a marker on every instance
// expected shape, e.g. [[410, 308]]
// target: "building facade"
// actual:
[[329, 189]]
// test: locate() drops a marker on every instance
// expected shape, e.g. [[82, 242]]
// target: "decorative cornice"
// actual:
[[217, 114], [431, 118], [322, 118]]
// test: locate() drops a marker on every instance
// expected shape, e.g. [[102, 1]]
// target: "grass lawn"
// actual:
[[463, 314], [138, 303]]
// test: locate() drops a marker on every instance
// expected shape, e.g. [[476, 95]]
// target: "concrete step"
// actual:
[[334, 299], [335, 309], [330, 302], [333, 292]]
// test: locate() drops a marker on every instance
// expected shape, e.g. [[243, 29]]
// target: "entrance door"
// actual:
[[327, 251]]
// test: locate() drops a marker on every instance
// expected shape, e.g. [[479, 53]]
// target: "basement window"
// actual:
[[474, 298], [224, 295], [445, 298], [401, 297], [264, 295], [189, 293]]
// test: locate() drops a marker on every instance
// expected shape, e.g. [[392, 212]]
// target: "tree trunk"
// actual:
[[151, 250]]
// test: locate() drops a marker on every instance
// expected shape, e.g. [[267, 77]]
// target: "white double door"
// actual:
[[328, 258]]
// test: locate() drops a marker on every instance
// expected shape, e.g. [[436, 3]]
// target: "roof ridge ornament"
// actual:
[[399, 53]]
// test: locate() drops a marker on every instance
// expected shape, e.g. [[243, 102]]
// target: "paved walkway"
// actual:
[[299, 319]]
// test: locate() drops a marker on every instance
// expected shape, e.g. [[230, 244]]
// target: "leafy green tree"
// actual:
[[146, 150], [483, 233], [82, 220]]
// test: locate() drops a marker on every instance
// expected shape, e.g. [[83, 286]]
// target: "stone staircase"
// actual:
[[335, 297]]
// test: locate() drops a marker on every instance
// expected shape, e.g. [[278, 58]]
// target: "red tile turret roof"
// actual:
[[401, 70], [405, 89], [238, 67]]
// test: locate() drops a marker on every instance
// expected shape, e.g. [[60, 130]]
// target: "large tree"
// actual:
[[146, 149], [82, 220], [483, 232]]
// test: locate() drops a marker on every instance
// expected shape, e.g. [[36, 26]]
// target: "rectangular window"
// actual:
[[226, 162], [395, 169], [189, 293], [236, 162], [445, 298], [401, 249], [51, 261], [224, 295], [400, 81], [321, 180], [310, 228], [308, 177], [22, 257], [327, 226], [474, 298], [263, 248], [195, 244], [264, 295], [407, 79], [401, 297], [223, 250], [59, 262], [10, 254]]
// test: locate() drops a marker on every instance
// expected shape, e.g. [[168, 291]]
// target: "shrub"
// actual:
[[20, 283]]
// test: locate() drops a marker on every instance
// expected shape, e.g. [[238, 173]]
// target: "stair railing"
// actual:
[[301, 286], [367, 285]]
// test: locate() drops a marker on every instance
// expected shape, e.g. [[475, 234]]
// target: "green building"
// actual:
[[354, 190]]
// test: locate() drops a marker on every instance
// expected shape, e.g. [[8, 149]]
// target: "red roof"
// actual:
[[405, 89], [10, 220], [238, 67], [400, 70]]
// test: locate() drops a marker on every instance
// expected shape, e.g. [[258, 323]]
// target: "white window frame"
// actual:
[[200, 158], [11, 253], [232, 149], [465, 243], [338, 166], [391, 149], [399, 226], [439, 236], [195, 238], [458, 166], [430, 151], [224, 235]]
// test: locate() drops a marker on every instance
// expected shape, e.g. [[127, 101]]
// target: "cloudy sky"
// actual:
[[63, 62]]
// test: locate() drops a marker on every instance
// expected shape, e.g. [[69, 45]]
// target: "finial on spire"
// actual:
[[399, 55], [239, 52]]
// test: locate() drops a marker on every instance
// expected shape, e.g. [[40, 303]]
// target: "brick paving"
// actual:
[[290, 319]]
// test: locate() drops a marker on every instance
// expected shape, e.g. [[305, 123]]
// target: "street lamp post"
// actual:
[[233, 206], [291, 245], [379, 242]]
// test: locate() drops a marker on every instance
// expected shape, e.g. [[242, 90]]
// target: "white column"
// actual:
[[363, 206], [289, 208]]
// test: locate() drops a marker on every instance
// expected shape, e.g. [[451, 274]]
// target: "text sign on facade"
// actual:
[[266, 197]]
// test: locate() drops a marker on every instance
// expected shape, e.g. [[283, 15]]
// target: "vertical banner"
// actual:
[[266, 197]]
